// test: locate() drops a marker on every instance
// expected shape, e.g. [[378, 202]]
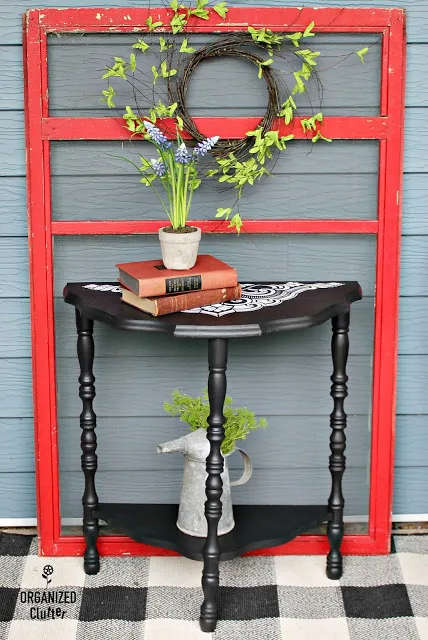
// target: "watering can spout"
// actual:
[[194, 444], [173, 446]]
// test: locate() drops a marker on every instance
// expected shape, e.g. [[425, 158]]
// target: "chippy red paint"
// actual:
[[41, 129], [345, 127]]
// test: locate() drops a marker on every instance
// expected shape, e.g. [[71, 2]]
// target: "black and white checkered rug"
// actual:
[[261, 598]]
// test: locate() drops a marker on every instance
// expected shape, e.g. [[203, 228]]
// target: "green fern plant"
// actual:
[[195, 411]]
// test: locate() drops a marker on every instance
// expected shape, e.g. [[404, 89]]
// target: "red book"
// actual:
[[151, 278], [181, 301]]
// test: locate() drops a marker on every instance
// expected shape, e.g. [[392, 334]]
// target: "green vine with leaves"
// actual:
[[248, 164]]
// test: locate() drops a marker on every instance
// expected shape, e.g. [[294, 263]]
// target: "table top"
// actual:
[[264, 308]]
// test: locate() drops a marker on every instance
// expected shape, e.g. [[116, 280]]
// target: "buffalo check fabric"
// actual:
[[261, 598]]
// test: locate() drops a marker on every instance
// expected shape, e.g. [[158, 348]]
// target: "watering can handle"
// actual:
[[248, 470]]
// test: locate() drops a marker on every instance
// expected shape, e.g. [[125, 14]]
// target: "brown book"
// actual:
[[159, 306], [151, 278]]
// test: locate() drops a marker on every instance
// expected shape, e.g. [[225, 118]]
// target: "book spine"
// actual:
[[128, 281], [182, 284], [173, 304]]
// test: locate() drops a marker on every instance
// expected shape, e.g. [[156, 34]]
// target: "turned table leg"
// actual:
[[88, 422], [339, 391], [217, 361]]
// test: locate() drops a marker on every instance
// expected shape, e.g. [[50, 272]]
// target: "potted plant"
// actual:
[[175, 169], [239, 422]]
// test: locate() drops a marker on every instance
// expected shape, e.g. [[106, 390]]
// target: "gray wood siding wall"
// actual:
[[278, 377]]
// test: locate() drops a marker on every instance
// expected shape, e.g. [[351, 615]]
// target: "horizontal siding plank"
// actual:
[[412, 397], [294, 196], [18, 495], [145, 433], [14, 267], [344, 156], [337, 97], [415, 199], [17, 446], [416, 89], [285, 257], [287, 443], [13, 97], [16, 389], [12, 143], [415, 134], [123, 197], [15, 338], [269, 486], [13, 207], [414, 266], [98, 198], [410, 492], [75, 76], [16, 454], [413, 329], [143, 384], [11, 21], [12, 77], [411, 444], [139, 386]]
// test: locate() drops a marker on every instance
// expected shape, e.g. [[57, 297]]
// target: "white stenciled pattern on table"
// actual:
[[254, 296], [257, 296], [103, 287]]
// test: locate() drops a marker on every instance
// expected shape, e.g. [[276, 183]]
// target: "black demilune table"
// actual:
[[265, 308]]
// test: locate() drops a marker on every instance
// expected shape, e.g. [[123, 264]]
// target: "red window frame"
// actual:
[[41, 129]]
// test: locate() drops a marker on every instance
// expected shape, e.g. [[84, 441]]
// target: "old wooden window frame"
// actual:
[[41, 129]]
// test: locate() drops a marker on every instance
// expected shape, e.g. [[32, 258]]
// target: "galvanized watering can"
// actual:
[[191, 517]]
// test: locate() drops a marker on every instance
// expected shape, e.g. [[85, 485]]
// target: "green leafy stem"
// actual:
[[230, 169], [239, 421], [182, 14]]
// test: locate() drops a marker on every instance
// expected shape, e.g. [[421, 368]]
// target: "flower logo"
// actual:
[[47, 571]]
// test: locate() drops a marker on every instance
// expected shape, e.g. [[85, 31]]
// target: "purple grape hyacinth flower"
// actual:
[[158, 167], [202, 148], [157, 136], [182, 155]]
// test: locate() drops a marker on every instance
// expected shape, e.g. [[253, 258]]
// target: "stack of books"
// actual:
[[152, 288]]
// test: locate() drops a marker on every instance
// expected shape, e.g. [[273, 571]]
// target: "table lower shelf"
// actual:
[[256, 526]]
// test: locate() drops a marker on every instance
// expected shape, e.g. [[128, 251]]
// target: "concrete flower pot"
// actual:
[[179, 250]]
